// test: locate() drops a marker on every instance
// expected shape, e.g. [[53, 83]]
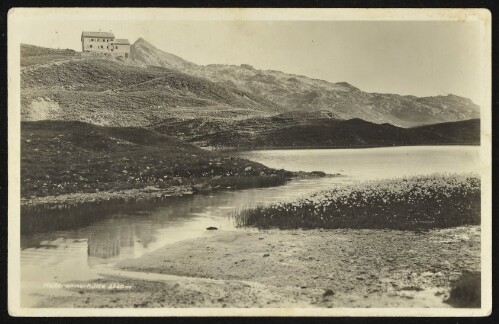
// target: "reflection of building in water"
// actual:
[[127, 235], [114, 239], [145, 232], [127, 239], [104, 242], [109, 240]]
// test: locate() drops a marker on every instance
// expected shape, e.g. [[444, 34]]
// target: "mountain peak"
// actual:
[[347, 85], [142, 41], [146, 53]]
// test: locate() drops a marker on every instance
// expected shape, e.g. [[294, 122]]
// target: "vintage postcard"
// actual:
[[249, 162]]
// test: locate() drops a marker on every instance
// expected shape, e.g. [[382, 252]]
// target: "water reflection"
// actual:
[[127, 234], [115, 238], [73, 248], [104, 244], [106, 239]]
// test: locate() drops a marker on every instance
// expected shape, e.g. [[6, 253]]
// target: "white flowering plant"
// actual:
[[427, 201]]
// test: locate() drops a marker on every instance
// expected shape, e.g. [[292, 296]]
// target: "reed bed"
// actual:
[[418, 202]]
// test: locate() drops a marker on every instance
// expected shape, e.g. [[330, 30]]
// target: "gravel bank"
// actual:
[[84, 197]]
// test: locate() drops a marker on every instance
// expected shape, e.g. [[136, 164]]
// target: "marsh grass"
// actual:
[[419, 202]]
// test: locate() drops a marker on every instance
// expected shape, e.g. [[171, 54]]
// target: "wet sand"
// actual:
[[313, 268]]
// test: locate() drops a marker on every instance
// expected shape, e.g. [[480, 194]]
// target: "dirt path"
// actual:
[[333, 268]]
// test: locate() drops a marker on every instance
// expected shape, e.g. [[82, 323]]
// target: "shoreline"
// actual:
[[146, 193], [88, 197], [353, 147], [290, 268]]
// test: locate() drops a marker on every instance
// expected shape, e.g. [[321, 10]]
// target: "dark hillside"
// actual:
[[337, 133], [283, 131], [359, 133], [465, 132], [66, 157]]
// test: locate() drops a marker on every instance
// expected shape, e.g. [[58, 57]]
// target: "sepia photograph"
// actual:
[[242, 162]]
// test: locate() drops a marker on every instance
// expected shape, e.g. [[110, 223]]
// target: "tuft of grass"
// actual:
[[466, 291], [419, 202]]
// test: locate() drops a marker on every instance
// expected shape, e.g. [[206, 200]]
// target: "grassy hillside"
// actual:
[[66, 157], [68, 85], [35, 55], [102, 90]]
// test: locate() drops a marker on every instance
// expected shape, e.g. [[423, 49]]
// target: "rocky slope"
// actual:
[[294, 92]]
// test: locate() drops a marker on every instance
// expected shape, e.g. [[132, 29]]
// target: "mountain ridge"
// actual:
[[296, 92]]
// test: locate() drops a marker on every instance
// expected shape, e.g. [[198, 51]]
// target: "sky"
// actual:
[[422, 58]]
